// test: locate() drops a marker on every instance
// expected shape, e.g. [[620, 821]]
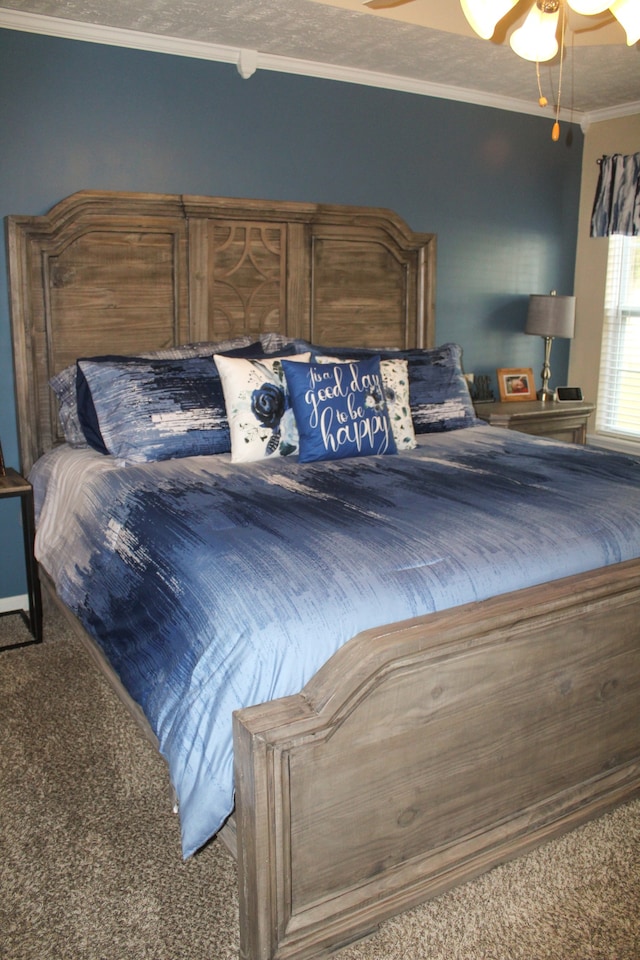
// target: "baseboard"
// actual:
[[8, 604]]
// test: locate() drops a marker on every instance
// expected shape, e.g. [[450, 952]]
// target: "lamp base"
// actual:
[[546, 395]]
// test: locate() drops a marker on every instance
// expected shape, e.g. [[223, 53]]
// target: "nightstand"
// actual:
[[566, 420], [12, 484]]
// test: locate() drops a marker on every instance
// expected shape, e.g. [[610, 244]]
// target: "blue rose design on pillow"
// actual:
[[261, 420], [268, 403]]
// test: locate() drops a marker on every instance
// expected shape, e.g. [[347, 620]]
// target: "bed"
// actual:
[[426, 742]]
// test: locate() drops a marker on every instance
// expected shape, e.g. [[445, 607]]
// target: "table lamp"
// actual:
[[549, 317]]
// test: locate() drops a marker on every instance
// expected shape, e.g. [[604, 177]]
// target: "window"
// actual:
[[619, 387]]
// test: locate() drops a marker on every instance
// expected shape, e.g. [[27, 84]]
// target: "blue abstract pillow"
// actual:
[[64, 383], [438, 393], [141, 409], [84, 414], [340, 409], [439, 397]]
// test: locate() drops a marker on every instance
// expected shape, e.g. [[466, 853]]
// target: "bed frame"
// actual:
[[422, 753]]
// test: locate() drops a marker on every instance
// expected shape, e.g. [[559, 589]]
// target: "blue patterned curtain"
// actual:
[[616, 208]]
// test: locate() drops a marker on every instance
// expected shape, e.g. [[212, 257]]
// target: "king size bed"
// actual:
[[382, 645]]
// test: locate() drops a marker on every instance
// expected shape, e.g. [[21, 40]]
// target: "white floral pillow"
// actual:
[[395, 380], [261, 420]]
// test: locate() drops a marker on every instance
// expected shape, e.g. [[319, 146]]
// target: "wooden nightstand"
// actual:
[[12, 484], [565, 420]]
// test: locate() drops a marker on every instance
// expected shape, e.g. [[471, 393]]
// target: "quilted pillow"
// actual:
[[395, 379], [140, 409], [340, 409], [261, 420]]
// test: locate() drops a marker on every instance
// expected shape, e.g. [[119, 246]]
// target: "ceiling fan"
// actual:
[[536, 36], [542, 34]]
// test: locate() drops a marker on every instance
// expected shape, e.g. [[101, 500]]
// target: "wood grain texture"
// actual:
[[125, 273], [423, 752], [558, 420]]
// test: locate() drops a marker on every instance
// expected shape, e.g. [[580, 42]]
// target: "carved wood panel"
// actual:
[[247, 278]]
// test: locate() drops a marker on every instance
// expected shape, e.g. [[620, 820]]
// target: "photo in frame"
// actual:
[[516, 383]]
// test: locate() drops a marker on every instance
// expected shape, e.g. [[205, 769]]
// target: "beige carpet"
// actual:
[[90, 864]]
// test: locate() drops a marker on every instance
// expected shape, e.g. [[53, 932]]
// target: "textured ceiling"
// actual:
[[332, 38]]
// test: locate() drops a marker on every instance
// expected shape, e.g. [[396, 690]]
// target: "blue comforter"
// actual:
[[212, 586]]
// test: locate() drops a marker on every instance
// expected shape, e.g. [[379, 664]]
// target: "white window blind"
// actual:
[[619, 387]]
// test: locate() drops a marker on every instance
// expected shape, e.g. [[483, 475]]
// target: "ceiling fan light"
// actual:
[[589, 7], [483, 15], [536, 38], [627, 13]]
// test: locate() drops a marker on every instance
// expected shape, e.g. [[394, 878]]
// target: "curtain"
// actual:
[[616, 208]]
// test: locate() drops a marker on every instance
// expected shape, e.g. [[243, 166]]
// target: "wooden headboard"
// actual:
[[123, 273]]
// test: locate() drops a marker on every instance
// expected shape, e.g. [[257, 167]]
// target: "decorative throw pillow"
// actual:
[[142, 410], [261, 421], [395, 379], [340, 409]]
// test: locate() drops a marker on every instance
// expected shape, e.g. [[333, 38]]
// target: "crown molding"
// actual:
[[610, 113], [248, 61]]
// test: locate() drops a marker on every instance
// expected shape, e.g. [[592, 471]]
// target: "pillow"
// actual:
[[63, 384], [152, 409], [340, 409], [438, 392], [256, 350], [84, 403], [273, 342], [395, 380], [85, 407], [261, 420]]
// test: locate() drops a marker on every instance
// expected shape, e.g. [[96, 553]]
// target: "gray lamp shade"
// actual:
[[551, 316]]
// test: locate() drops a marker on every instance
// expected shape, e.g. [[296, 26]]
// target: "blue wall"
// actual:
[[501, 196]]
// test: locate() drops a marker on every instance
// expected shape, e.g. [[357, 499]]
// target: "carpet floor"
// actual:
[[90, 862]]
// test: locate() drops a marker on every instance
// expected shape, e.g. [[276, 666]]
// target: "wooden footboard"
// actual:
[[427, 752]]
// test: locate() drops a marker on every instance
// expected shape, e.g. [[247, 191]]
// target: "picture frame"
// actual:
[[3, 472], [516, 383]]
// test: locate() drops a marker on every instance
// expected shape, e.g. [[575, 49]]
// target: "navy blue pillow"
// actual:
[[340, 409], [139, 409], [438, 393], [84, 401], [255, 350]]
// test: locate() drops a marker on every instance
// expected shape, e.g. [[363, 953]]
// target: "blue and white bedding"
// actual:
[[213, 585]]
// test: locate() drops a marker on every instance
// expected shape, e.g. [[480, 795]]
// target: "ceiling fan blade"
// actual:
[[384, 4]]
